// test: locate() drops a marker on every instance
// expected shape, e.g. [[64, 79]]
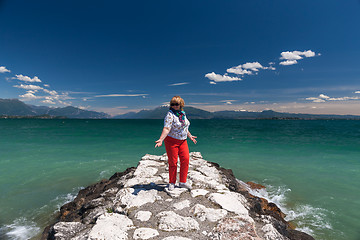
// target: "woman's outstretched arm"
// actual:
[[163, 135], [193, 138]]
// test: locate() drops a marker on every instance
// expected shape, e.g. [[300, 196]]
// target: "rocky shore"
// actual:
[[136, 204]]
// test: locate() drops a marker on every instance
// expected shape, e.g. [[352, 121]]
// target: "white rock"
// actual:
[[67, 229], [127, 197], [143, 215], [97, 202], [111, 226], [150, 157], [203, 181], [210, 171], [119, 209], [209, 214], [141, 180], [144, 175], [176, 238], [165, 177], [195, 162], [170, 221], [235, 228], [270, 233], [164, 157], [145, 171], [176, 192], [169, 200], [181, 205], [94, 214], [231, 201], [195, 155], [111, 191], [145, 233], [148, 163], [198, 192]]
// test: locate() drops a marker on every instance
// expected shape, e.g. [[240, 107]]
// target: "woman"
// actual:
[[174, 134]]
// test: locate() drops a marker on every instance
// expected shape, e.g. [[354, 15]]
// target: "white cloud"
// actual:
[[357, 92], [250, 68], [29, 96], [296, 55], [51, 92], [178, 84], [247, 68], [307, 53], [319, 100], [292, 57], [239, 70], [254, 66], [228, 102], [122, 95], [26, 78], [288, 62], [344, 98], [221, 78], [28, 87], [65, 103], [3, 69], [311, 98], [83, 107], [46, 85], [323, 96], [49, 100]]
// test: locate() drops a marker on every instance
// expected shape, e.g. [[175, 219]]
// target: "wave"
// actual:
[[104, 174], [307, 218], [64, 198], [20, 229], [30, 226]]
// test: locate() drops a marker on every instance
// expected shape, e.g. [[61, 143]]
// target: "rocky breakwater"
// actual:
[[136, 204]]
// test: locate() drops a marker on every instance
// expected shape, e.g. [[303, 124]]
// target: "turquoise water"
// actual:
[[311, 168]]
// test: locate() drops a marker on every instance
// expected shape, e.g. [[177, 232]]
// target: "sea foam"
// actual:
[[307, 218], [21, 229]]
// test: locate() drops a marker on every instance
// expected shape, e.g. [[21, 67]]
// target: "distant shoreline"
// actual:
[[271, 118], [33, 117]]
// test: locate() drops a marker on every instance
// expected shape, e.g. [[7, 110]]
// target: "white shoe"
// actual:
[[171, 186], [185, 185]]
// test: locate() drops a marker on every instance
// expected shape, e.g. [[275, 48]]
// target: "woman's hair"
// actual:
[[178, 99]]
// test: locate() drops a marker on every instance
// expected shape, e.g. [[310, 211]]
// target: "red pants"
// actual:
[[175, 148]]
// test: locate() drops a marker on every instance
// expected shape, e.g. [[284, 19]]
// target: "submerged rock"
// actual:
[[136, 204]]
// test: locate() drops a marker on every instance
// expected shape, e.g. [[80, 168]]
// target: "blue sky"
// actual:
[[120, 56]]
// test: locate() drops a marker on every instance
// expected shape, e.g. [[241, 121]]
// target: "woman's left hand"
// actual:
[[193, 138]]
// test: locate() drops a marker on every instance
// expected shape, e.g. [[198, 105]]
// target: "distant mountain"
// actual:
[[73, 112], [195, 113], [15, 107], [160, 112]]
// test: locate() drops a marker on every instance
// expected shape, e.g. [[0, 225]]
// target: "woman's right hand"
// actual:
[[158, 143]]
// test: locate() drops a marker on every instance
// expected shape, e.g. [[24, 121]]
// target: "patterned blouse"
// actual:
[[177, 129]]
